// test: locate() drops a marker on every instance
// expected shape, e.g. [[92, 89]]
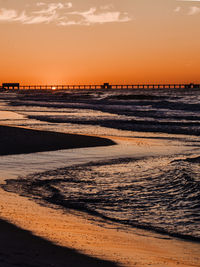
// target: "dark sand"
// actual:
[[15, 140], [20, 248]]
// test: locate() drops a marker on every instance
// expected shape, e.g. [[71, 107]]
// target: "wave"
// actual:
[[163, 111], [159, 194], [170, 127]]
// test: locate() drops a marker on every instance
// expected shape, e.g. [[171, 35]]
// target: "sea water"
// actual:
[[131, 185]]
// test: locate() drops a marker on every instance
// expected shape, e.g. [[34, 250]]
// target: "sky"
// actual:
[[96, 41]]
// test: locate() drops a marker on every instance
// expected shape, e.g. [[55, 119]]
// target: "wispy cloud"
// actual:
[[191, 10], [60, 14], [177, 9], [7, 14], [50, 9], [92, 16]]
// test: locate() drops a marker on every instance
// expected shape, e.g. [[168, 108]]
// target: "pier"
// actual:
[[17, 86]]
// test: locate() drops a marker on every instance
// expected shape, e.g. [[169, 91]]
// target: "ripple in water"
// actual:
[[160, 194]]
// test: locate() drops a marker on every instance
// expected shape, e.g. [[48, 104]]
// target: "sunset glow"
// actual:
[[90, 42]]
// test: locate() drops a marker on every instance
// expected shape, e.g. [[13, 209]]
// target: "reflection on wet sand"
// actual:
[[107, 241]]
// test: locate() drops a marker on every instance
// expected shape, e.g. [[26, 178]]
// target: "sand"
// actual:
[[16, 140], [21, 248], [38, 236], [72, 231]]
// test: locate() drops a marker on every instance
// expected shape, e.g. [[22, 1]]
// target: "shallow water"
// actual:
[[152, 193], [148, 180], [165, 111]]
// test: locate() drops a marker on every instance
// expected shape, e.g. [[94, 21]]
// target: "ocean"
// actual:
[[155, 191]]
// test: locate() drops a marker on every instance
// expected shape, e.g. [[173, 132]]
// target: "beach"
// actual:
[[132, 248], [20, 247], [67, 238], [100, 133], [63, 218]]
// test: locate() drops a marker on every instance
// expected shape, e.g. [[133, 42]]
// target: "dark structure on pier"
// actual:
[[106, 86], [17, 86], [192, 85], [10, 86]]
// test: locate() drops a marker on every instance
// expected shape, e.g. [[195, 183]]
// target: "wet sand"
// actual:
[[54, 238], [20, 247], [70, 231], [16, 140]]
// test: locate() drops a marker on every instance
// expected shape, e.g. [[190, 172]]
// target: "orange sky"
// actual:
[[93, 41]]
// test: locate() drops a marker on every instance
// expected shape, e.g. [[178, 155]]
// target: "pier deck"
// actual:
[[17, 86]]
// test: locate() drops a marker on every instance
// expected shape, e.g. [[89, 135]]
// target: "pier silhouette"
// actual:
[[17, 86]]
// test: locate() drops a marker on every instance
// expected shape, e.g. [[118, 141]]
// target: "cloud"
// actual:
[[93, 17], [38, 19], [177, 9], [21, 18], [193, 10], [48, 13], [69, 23], [50, 9], [7, 14], [59, 14]]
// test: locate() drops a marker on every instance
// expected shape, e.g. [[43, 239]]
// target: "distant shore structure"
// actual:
[[17, 86], [10, 86]]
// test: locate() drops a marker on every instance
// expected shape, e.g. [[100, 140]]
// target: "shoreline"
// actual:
[[126, 247], [34, 249], [97, 239]]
